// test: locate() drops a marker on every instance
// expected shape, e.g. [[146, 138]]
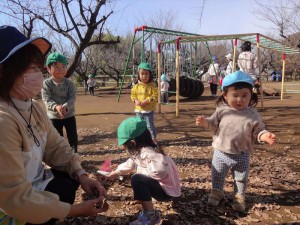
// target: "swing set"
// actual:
[[146, 36], [261, 41], [172, 41]]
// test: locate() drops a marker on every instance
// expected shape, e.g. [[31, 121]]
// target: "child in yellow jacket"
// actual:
[[144, 95]]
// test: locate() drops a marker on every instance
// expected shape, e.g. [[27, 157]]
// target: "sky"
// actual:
[[218, 17]]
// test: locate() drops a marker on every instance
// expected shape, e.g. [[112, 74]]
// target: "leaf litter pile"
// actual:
[[272, 195]]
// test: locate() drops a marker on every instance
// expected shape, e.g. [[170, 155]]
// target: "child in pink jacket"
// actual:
[[155, 175]]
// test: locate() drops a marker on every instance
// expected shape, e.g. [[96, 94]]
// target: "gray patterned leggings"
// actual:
[[240, 166]]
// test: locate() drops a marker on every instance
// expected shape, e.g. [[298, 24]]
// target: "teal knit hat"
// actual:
[[145, 66], [131, 128], [56, 57]]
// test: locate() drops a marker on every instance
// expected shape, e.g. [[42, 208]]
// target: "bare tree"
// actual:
[[80, 22], [284, 15], [109, 60]]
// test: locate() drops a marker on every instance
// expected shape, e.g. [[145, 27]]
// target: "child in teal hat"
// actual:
[[236, 126], [164, 89], [59, 95], [155, 175], [134, 81], [144, 95]]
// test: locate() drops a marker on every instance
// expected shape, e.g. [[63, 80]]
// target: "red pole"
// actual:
[[159, 47], [177, 43], [234, 55]]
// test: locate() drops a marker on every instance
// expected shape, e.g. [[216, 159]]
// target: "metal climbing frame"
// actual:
[[147, 32]]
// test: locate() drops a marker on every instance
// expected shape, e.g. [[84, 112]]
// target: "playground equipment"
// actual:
[[164, 34], [255, 38], [188, 86]]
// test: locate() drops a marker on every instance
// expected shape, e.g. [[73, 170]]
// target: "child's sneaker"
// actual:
[[147, 219], [215, 197], [239, 203]]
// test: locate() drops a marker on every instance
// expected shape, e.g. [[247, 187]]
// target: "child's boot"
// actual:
[[238, 203], [215, 197]]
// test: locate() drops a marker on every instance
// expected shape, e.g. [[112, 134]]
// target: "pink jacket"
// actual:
[[157, 166]]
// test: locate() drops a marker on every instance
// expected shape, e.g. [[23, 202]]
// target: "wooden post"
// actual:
[[282, 75], [259, 68], [158, 75], [177, 76], [234, 55]]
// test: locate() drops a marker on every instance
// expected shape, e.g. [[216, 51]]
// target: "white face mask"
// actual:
[[32, 85]]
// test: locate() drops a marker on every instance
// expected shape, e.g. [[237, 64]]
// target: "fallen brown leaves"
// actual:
[[273, 195]]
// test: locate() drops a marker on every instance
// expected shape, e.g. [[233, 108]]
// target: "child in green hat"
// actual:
[[144, 95], [155, 175], [59, 95]]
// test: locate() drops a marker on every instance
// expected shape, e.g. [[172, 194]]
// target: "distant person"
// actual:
[[91, 83], [59, 95], [247, 61], [133, 81], [237, 126], [144, 95], [155, 174], [229, 67], [222, 75], [29, 192], [273, 75], [164, 89], [213, 75]]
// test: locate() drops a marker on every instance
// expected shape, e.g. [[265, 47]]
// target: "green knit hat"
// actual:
[[56, 57], [145, 66], [131, 128]]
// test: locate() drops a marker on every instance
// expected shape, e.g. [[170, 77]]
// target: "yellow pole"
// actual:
[[283, 73], [259, 68], [177, 76], [234, 56], [158, 75]]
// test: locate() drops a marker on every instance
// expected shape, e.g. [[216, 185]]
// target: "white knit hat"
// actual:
[[229, 56]]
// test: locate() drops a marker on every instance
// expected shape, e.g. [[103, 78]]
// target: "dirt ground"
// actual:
[[273, 194]]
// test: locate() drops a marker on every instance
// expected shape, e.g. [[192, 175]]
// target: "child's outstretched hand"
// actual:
[[200, 121], [268, 137], [113, 174]]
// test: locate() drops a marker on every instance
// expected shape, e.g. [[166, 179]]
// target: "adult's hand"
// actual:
[[88, 208], [91, 186]]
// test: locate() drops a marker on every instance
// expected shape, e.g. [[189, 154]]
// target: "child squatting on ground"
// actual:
[[155, 175], [236, 125], [59, 95], [144, 95]]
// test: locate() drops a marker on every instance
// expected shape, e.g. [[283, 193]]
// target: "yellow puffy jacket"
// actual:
[[141, 92]]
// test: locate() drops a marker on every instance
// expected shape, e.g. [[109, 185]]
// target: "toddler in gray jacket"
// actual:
[[236, 125]]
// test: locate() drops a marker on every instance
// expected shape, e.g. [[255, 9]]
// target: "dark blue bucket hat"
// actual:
[[12, 40]]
